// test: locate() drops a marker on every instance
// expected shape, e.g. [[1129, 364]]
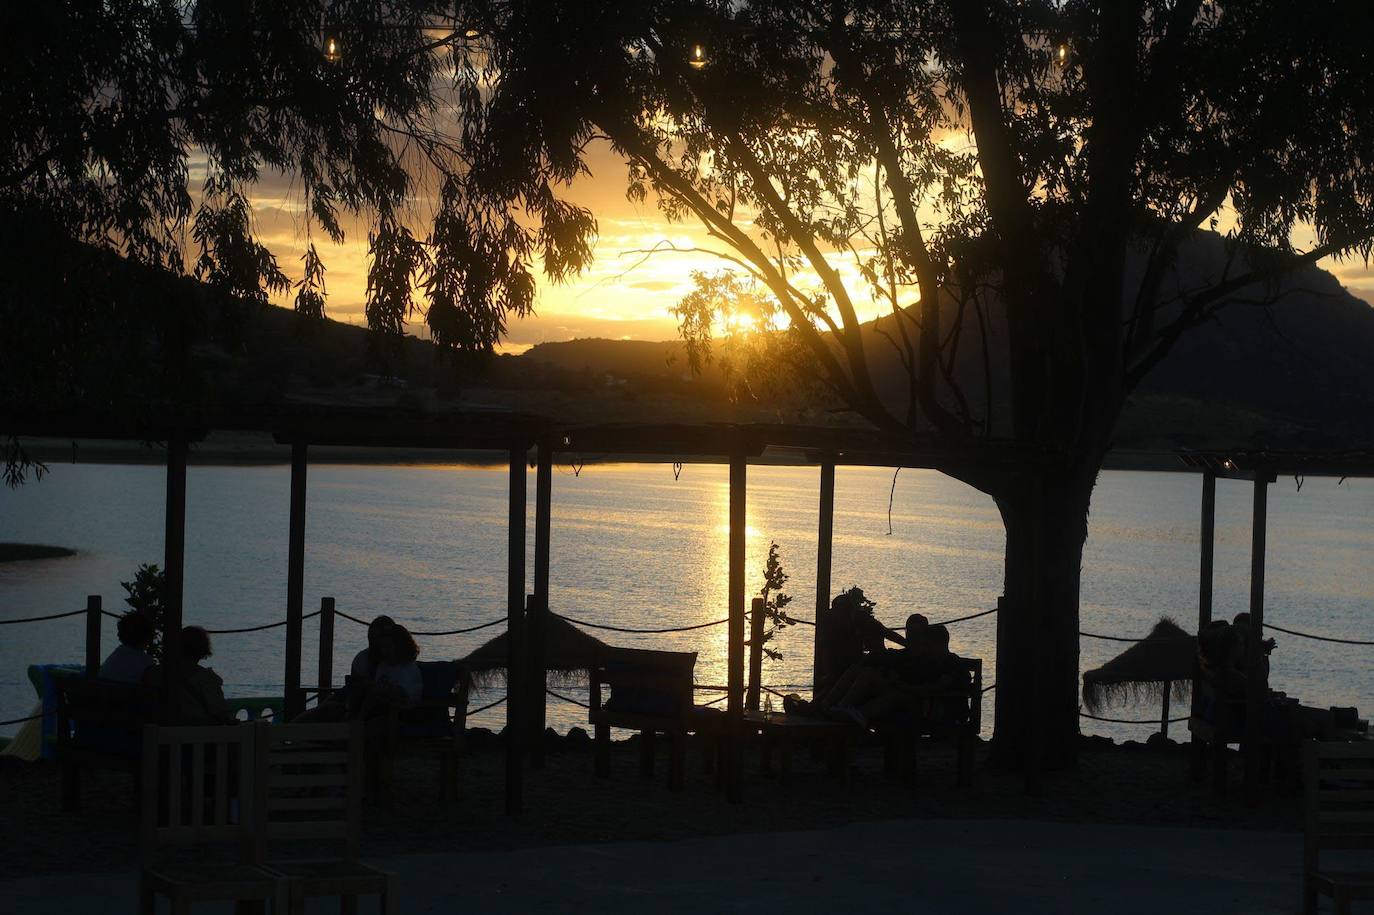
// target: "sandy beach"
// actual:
[[565, 804]]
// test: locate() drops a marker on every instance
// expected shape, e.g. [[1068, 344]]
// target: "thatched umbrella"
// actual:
[[1159, 667], [568, 652]]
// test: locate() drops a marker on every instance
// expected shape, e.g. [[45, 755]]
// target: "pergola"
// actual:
[[515, 435]]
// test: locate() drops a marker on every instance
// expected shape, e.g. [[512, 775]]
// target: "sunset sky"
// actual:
[[622, 295]]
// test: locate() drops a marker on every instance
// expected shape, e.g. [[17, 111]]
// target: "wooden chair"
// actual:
[[198, 791], [1339, 814], [650, 692], [100, 726], [436, 723], [309, 787], [900, 738]]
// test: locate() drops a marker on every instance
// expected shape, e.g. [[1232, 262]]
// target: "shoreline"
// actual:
[[29, 552], [246, 449]]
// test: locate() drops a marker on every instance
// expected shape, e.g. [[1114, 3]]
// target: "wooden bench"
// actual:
[[650, 692], [962, 728], [1338, 801]]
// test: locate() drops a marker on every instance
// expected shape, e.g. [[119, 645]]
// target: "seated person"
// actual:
[[849, 633], [130, 661], [361, 673], [891, 661], [914, 684], [201, 696], [396, 682], [365, 662]]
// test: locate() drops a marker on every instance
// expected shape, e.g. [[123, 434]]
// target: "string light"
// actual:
[[698, 58], [333, 47]]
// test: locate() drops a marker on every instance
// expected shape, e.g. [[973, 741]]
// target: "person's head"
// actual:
[[376, 630], [195, 645], [399, 645], [916, 626], [1214, 641], [136, 629], [937, 637], [1241, 619]]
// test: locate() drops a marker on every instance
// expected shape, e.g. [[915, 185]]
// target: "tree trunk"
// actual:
[[1046, 519]]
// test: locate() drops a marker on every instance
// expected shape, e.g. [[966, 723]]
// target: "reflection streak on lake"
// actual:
[[634, 547]]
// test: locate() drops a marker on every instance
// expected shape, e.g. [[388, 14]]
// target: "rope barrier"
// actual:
[[1319, 638], [990, 687], [1083, 714], [489, 705], [714, 701], [960, 619], [40, 619], [20, 720], [566, 698], [256, 628], [640, 631], [487, 625]]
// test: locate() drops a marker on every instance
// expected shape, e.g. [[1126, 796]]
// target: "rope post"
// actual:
[[735, 645], [515, 634], [326, 681], [756, 621], [825, 538], [93, 614], [538, 618], [295, 583]]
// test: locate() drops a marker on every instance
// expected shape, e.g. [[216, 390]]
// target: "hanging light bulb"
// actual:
[[332, 46], [1063, 54], [697, 60]]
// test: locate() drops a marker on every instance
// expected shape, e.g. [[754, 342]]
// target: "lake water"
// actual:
[[635, 547]]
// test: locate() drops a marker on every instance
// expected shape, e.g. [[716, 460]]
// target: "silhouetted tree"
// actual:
[[142, 127], [1020, 179]]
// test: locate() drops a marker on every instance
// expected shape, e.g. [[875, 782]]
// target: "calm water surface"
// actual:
[[634, 547]]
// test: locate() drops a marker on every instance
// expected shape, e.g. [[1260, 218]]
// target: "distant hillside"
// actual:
[[1298, 372]]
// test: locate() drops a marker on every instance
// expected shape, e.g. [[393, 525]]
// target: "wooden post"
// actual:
[[756, 623], [824, 553], [295, 583], [174, 564], [1258, 683], [515, 634], [735, 645], [1164, 711], [539, 609], [1030, 622], [93, 615], [326, 679], [1206, 548]]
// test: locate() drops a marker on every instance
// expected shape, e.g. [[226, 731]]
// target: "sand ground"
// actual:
[[1126, 831]]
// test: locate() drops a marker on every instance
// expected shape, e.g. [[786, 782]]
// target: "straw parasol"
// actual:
[[569, 654], [1166, 659]]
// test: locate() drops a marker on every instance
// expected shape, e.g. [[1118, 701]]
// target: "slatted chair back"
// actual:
[[197, 788], [1338, 798], [309, 781]]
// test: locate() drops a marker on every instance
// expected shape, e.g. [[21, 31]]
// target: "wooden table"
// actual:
[[787, 730]]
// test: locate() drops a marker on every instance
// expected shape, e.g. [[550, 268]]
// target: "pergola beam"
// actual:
[[295, 583], [174, 567], [735, 635], [515, 641], [825, 542]]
